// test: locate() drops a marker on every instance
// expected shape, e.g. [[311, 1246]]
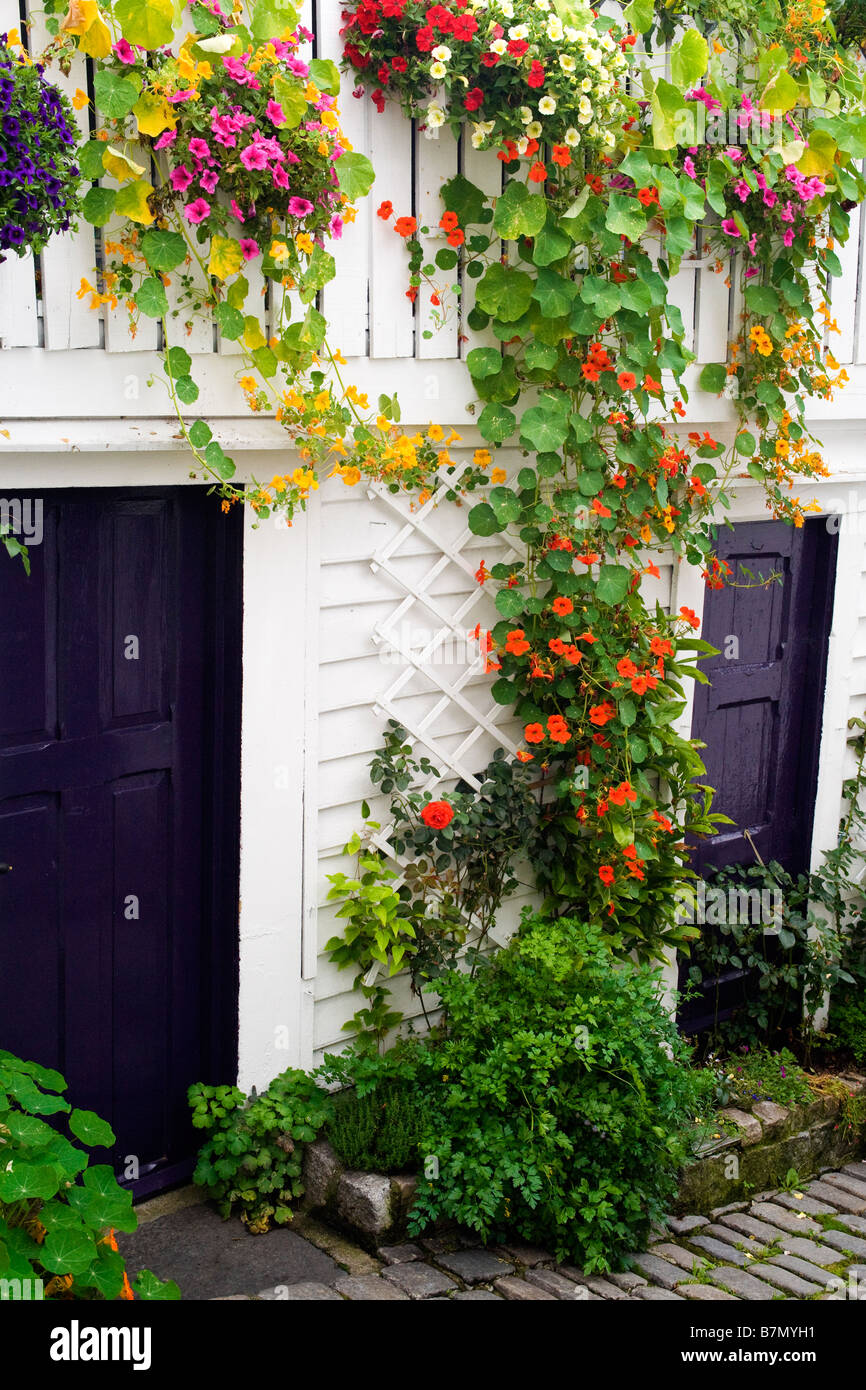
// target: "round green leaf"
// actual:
[[496, 422], [355, 173], [163, 251], [613, 582], [713, 377], [115, 96], [68, 1252], [90, 1129], [483, 520], [484, 362], [147, 25], [186, 389], [151, 298], [98, 205], [745, 443], [519, 212], [505, 292]]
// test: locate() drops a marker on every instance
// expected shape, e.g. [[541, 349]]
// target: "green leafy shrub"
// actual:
[[555, 1098], [759, 1074], [252, 1160], [58, 1214], [848, 1024], [380, 1131]]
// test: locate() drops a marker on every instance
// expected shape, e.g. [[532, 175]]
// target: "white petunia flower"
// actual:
[[609, 140], [479, 139], [435, 116], [607, 43], [498, 46], [438, 70], [506, 8], [522, 144], [567, 62], [519, 31], [525, 114], [542, 5], [554, 28], [586, 84], [547, 106], [572, 136], [441, 53], [533, 130], [584, 107]]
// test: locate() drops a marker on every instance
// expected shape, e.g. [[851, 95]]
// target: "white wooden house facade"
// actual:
[[361, 610]]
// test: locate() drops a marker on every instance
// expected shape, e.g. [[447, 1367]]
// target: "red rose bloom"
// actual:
[[437, 814]]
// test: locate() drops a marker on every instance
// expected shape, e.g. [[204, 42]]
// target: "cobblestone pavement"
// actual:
[[809, 1243]]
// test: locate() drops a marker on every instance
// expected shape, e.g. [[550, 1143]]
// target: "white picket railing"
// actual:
[[366, 304]]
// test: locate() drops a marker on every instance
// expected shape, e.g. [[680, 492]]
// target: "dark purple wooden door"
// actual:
[[118, 808], [760, 714]]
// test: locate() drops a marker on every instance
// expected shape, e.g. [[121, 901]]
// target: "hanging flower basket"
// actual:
[[38, 175]]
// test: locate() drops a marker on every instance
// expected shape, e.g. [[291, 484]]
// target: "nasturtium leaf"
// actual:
[[22, 1181], [483, 520], [67, 1251], [253, 335], [781, 93], [162, 250], [510, 602], [218, 460], [713, 377], [226, 257], [466, 200], [639, 14], [230, 321], [290, 96], [153, 114], [544, 429], [148, 25], [539, 357], [689, 58], [505, 292], [120, 165], [96, 41], [355, 174], [744, 443], [505, 503], [90, 159], [266, 361], [446, 258], [673, 123], [762, 299], [151, 298], [199, 434], [179, 361], [627, 712], [98, 205], [150, 1289], [132, 202], [90, 1129], [636, 296], [270, 18], [613, 582], [496, 423], [551, 243], [820, 155], [325, 75], [519, 213], [484, 362], [114, 95], [768, 392], [554, 293], [186, 389]]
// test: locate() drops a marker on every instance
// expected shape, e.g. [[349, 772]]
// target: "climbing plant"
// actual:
[[615, 162]]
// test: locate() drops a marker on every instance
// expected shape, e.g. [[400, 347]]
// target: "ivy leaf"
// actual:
[[355, 174], [151, 298], [519, 212], [163, 251], [613, 582], [146, 26]]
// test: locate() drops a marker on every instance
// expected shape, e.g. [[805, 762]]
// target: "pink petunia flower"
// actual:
[[729, 227], [209, 180], [237, 211], [299, 207], [298, 67], [180, 178], [335, 226], [249, 247], [689, 166], [185, 95], [275, 113], [199, 149], [788, 236], [742, 190], [168, 137], [280, 177], [197, 211], [124, 51]]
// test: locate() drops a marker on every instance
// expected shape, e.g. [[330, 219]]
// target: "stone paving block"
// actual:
[[717, 1250], [399, 1254], [442, 1245], [857, 1224], [650, 1294], [809, 1250], [657, 1271], [364, 1202], [681, 1225], [791, 1284], [527, 1255], [810, 1205], [627, 1280], [750, 1226], [804, 1268], [369, 1288], [837, 1197], [477, 1296], [723, 1211], [519, 1291], [596, 1283], [706, 1293], [842, 1241], [856, 1169], [676, 1255], [475, 1266], [743, 1285], [418, 1280], [306, 1291], [560, 1287], [798, 1224], [751, 1247], [848, 1183]]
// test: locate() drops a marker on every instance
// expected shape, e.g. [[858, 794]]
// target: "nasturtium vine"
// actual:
[[742, 148]]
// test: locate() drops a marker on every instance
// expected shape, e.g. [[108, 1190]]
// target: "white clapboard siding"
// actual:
[[19, 324], [483, 169], [436, 161], [66, 260], [843, 290], [344, 299]]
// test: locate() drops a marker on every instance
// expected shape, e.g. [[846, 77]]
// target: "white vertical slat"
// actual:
[[19, 325], [69, 258], [436, 162], [712, 309], [843, 291], [682, 292], [255, 304], [344, 299], [294, 309], [193, 331], [860, 332], [483, 169], [392, 320]]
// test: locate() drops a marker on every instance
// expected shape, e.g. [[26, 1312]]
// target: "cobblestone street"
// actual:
[[809, 1243]]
